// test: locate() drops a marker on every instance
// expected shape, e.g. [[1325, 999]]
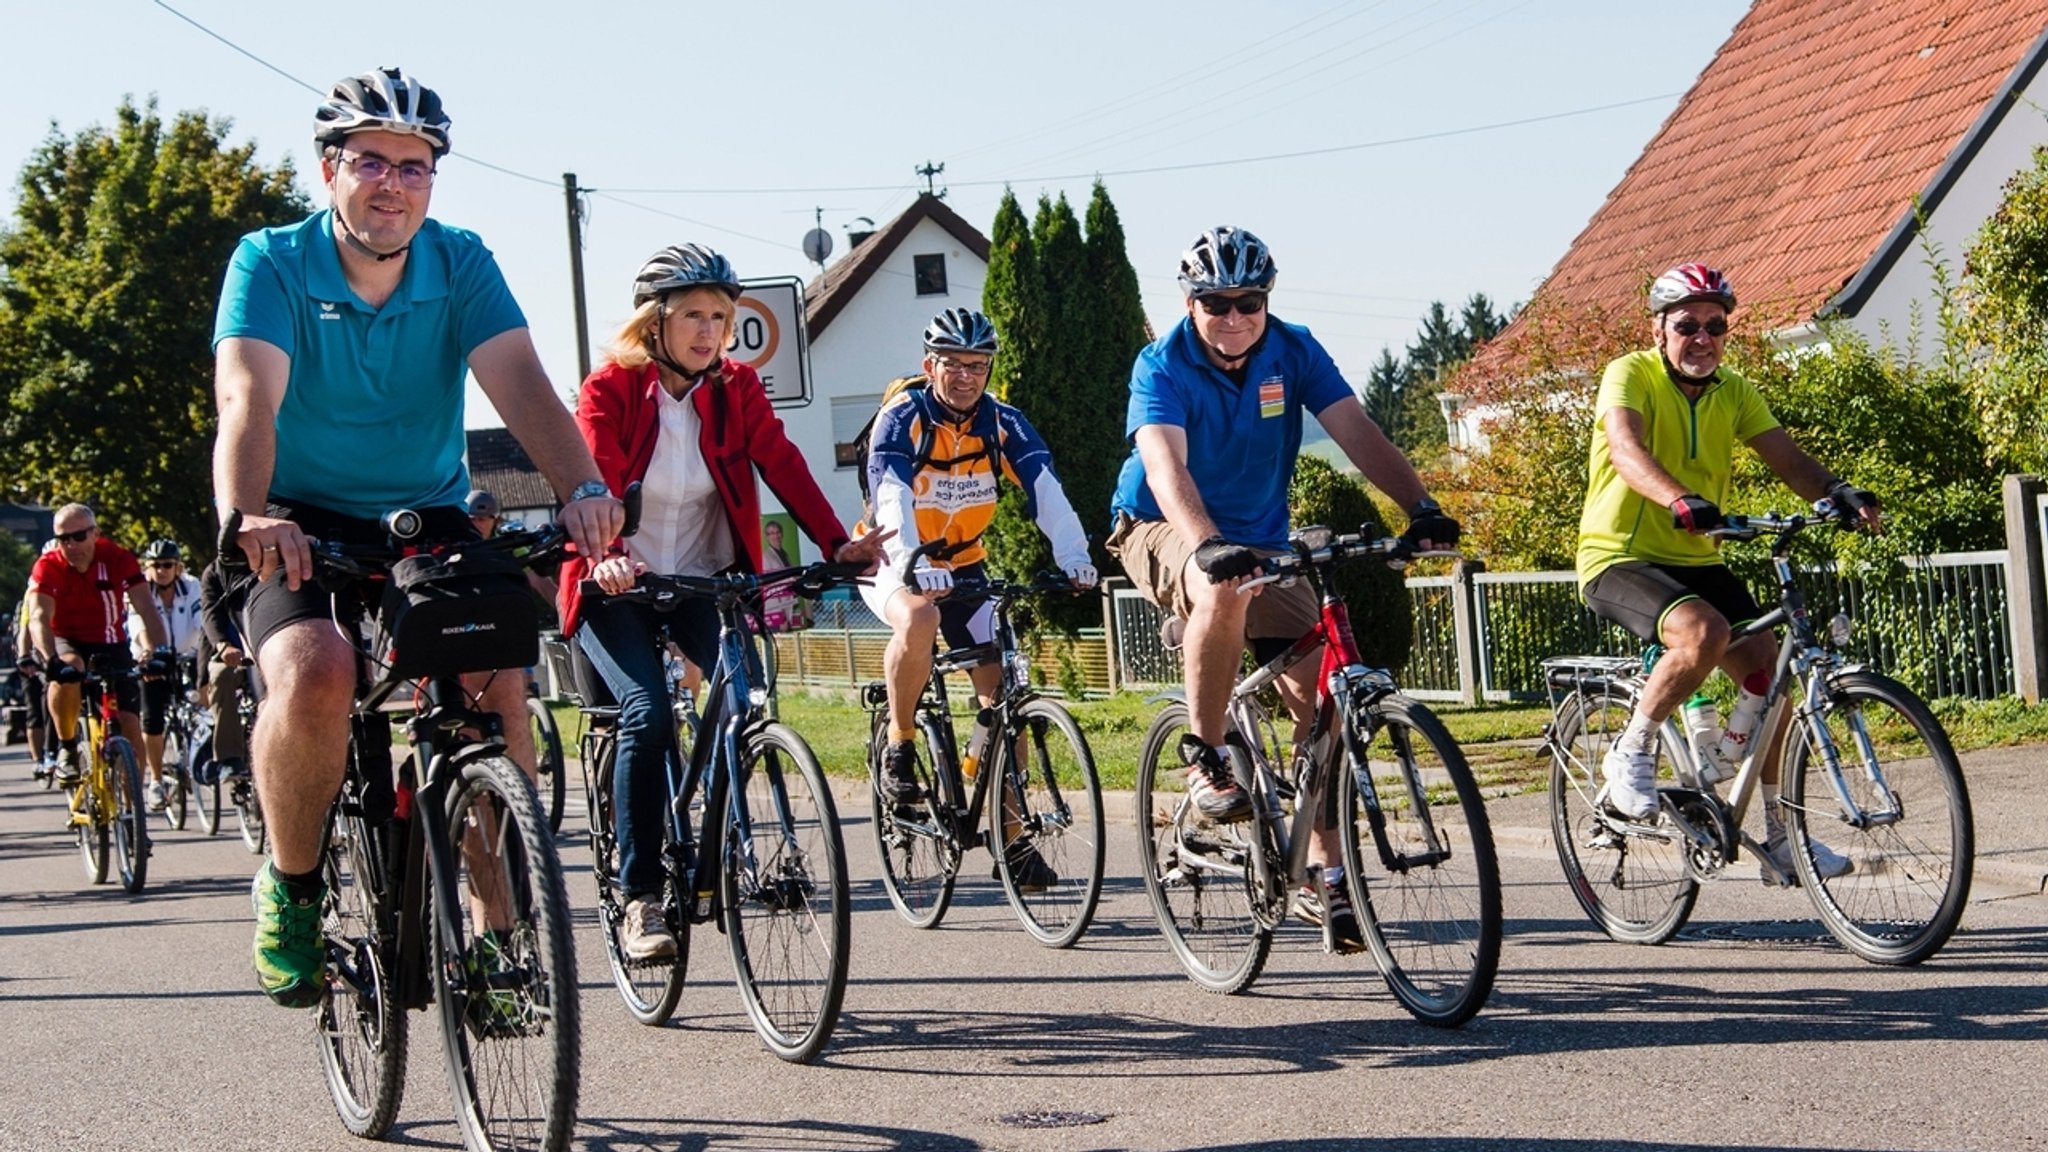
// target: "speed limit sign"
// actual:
[[768, 336]]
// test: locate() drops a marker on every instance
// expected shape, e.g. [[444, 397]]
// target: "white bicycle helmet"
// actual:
[[1226, 259], [682, 266], [961, 330], [1687, 283], [384, 100]]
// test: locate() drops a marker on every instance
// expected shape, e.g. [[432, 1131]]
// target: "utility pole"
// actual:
[[574, 196]]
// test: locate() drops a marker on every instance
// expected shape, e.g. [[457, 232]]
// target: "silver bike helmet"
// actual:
[[385, 100], [683, 266], [961, 330], [1226, 259]]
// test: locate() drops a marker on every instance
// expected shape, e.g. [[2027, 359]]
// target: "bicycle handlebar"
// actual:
[[364, 561], [1335, 548], [1825, 511], [665, 592]]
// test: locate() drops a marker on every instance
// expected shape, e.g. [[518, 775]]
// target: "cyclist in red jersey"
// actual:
[[76, 596]]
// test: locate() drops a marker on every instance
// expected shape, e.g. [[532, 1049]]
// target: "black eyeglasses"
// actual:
[[80, 536], [1691, 328], [1250, 305], [973, 371], [373, 169]]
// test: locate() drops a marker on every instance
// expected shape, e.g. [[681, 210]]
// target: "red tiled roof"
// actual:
[[827, 294], [1794, 161]]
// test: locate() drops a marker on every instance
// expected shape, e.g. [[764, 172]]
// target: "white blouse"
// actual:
[[683, 527]]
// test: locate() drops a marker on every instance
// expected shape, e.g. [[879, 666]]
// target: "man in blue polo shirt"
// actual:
[[1215, 426], [341, 346]]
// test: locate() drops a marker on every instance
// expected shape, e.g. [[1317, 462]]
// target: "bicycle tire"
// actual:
[[248, 804], [1638, 890], [649, 989], [131, 815], [1061, 809], [1434, 928], [1198, 876], [785, 898], [550, 781], [206, 797], [95, 833], [920, 856], [177, 784], [361, 1026], [1910, 882], [510, 1013]]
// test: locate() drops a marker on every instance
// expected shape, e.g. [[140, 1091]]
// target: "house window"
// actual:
[[849, 415], [931, 274]]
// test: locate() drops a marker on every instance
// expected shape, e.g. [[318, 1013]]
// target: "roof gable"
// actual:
[[1795, 160], [829, 293]]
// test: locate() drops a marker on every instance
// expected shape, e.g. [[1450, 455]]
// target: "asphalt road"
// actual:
[[134, 1023]]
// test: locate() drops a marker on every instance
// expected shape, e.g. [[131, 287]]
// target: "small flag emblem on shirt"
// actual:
[[1272, 398]]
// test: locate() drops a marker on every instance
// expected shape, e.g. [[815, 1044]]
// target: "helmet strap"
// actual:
[[363, 247]]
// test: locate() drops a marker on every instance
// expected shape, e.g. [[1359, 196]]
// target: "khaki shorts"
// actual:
[[1156, 558]]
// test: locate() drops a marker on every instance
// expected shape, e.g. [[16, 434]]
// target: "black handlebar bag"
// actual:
[[459, 612]]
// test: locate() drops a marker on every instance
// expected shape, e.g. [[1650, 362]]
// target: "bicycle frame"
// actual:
[[99, 720]]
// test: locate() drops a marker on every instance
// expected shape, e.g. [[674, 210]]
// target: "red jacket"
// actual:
[[617, 411]]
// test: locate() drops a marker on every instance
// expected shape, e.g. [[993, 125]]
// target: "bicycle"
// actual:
[[442, 885], [767, 864], [1030, 747], [185, 729], [106, 803], [1867, 751], [1417, 848], [550, 780]]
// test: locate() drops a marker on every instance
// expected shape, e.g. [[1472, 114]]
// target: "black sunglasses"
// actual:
[[80, 536], [1691, 328], [163, 564], [1250, 305]]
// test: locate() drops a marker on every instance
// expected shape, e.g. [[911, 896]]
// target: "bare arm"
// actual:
[[510, 373], [151, 614], [41, 608], [249, 378], [1633, 462], [1802, 473], [1163, 449], [1371, 452]]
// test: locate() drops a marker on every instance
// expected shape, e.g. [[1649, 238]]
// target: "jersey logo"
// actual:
[[1272, 397], [327, 311]]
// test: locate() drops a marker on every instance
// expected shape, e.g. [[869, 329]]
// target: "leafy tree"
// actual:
[[1117, 332], [111, 271], [1381, 617], [16, 559], [1013, 295], [1384, 383], [2006, 318]]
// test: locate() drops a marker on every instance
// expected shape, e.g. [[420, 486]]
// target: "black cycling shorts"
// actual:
[[271, 606], [1637, 594], [109, 660]]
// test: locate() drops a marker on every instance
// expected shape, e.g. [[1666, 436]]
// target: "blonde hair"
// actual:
[[632, 346]]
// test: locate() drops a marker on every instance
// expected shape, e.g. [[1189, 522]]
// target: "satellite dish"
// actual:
[[817, 245]]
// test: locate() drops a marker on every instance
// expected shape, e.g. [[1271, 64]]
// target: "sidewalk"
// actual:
[[2008, 803]]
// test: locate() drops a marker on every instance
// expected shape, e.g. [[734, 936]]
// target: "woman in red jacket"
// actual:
[[669, 411]]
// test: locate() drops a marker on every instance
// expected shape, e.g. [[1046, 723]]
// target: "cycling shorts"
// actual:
[[272, 606], [1638, 594], [962, 624], [110, 660]]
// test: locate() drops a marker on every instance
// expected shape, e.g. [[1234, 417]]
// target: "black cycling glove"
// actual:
[[1221, 560], [1696, 514], [1426, 521], [159, 664], [1851, 500], [62, 673]]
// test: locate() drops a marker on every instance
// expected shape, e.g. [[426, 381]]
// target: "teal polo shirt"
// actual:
[[372, 415]]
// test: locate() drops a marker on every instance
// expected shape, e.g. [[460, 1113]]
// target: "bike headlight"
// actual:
[[1313, 538], [1840, 631], [758, 697]]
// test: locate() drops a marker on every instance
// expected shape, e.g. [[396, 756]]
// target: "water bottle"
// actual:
[[977, 743], [1749, 708], [1703, 732]]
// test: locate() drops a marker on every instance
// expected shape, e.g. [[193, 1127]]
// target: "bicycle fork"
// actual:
[[1812, 718], [1361, 688]]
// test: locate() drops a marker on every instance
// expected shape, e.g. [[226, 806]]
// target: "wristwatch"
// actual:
[[587, 489], [1424, 506]]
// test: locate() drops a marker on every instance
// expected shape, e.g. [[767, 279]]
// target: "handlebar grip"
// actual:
[[929, 548], [225, 550], [632, 503]]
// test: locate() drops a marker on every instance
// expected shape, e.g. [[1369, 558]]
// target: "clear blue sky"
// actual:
[[831, 105]]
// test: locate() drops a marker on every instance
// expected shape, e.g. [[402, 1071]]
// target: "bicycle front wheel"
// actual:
[[249, 812], [1911, 865], [198, 764], [1046, 827], [131, 815], [362, 1027], [550, 783], [1197, 874], [177, 780], [1637, 888], [1426, 882], [94, 825], [785, 894], [920, 856], [506, 967]]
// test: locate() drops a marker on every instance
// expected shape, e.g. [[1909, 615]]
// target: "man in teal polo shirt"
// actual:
[[341, 346], [1215, 426]]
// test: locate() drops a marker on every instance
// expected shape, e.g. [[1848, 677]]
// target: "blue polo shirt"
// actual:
[[1242, 438], [372, 416]]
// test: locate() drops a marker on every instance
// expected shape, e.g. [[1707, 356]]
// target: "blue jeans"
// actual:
[[620, 638]]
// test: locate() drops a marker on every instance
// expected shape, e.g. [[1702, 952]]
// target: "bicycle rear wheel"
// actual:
[[248, 812], [1637, 888], [550, 782], [1910, 879], [1197, 874], [650, 988], [177, 781], [87, 798], [1434, 926], [920, 855], [131, 815], [199, 764], [361, 1025], [506, 967], [785, 895], [1058, 816]]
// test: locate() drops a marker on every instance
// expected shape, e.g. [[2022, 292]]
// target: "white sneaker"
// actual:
[[1827, 862], [153, 794], [643, 934], [1631, 782]]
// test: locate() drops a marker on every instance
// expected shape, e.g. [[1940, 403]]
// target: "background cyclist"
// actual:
[[177, 602], [1215, 422]]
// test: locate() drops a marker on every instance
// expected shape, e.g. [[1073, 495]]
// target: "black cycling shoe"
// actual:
[[899, 774]]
